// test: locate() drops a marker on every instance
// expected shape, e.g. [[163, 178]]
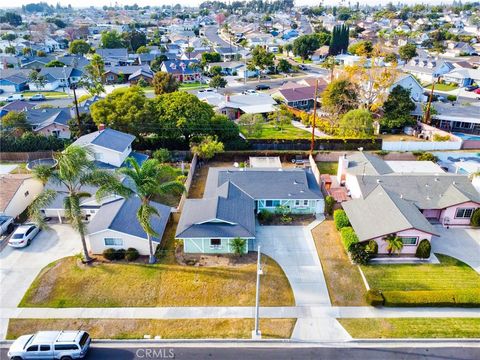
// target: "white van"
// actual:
[[15, 97], [59, 345]]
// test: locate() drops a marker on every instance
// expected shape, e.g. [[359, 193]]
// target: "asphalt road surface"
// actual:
[[98, 352], [212, 36]]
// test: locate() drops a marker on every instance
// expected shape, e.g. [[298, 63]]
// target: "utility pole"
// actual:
[[426, 118], [73, 86], [312, 143], [256, 333]]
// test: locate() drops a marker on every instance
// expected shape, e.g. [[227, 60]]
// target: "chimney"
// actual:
[[227, 98], [101, 127]]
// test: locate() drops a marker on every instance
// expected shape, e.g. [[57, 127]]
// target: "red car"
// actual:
[[477, 91]]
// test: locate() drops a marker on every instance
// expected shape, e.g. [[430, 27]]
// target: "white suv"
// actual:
[[59, 345]]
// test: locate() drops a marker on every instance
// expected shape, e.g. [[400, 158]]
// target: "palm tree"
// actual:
[[146, 181], [74, 171], [394, 244]]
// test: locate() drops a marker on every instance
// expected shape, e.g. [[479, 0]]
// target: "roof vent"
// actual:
[[401, 196], [295, 182], [437, 179], [379, 181], [454, 183], [426, 185], [428, 198]]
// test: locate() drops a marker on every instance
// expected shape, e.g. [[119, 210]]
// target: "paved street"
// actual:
[[213, 37], [234, 352]]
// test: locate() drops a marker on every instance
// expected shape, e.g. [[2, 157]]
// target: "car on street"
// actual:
[[471, 87], [59, 345], [207, 90], [302, 67], [14, 97], [23, 235], [262, 87], [477, 91], [249, 92], [6, 224], [38, 97]]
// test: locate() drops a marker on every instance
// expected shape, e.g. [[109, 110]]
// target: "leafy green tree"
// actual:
[[261, 58], [218, 82], [361, 48], [38, 80], [87, 125], [11, 18], [397, 109], [189, 50], [124, 109], [111, 40], [288, 48], [10, 50], [143, 50], [162, 155], [210, 57], [16, 121], [156, 64], [339, 97], [356, 123], [390, 58], [281, 117], [79, 47], [74, 172], [41, 53], [394, 244], [407, 51], [93, 76], [216, 70], [305, 45], [55, 63], [164, 82], [134, 39], [252, 123], [284, 66], [238, 246], [146, 181], [207, 148], [339, 40]]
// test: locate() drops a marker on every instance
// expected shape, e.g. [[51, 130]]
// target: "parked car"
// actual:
[[6, 224], [38, 97], [471, 87], [23, 235], [207, 90], [477, 91], [262, 87], [15, 97], [442, 99], [1, 91], [302, 67], [59, 345], [249, 91]]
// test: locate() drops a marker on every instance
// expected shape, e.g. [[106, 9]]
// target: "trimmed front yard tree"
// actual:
[[394, 244], [146, 181], [340, 218], [74, 171], [475, 219], [164, 83]]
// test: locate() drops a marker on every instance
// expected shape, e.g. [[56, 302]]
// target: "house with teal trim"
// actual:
[[233, 197]]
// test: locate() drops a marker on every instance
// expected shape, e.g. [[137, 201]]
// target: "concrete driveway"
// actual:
[[293, 248], [463, 244], [19, 267]]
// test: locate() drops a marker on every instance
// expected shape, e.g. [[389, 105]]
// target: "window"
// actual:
[[84, 339], [215, 243], [272, 203], [465, 213], [113, 241], [305, 202], [409, 240], [44, 347], [33, 348], [66, 347], [297, 202], [26, 193]]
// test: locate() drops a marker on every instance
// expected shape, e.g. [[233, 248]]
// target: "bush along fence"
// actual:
[[29, 142], [320, 144], [188, 183]]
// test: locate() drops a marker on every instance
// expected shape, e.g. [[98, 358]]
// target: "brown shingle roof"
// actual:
[[9, 184]]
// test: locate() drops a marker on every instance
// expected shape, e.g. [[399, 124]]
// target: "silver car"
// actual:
[[60, 345], [23, 235]]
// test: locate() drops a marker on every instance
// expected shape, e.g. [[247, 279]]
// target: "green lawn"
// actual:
[[328, 167], [412, 328], [443, 87], [192, 86], [299, 60], [69, 283], [450, 283], [269, 131], [47, 94]]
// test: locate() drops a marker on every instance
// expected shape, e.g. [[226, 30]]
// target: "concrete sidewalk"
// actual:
[[318, 133]]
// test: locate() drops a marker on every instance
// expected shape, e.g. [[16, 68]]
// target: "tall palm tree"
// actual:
[[394, 244], [73, 172], [146, 181]]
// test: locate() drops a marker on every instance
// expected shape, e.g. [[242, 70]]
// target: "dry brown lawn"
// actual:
[[200, 178], [344, 281], [167, 329]]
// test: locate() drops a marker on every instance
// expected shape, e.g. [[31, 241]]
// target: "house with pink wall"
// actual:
[[404, 203]]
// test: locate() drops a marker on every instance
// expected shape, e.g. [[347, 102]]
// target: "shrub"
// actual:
[[238, 246], [120, 254], [382, 152], [358, 253], [265, 216], [162, 155], [374, 297], [440, 298], [329, 203], [475, 219], [423, 249], [131, 254], [372, 247], [451, 98], [438, 137], [340, 218], [109, 254], [348, 237], [32, 142], [427, 157]]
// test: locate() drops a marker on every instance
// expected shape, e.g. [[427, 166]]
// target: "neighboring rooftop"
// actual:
[[9, 185], [108, 138]]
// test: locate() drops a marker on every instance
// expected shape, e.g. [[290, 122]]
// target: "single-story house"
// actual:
[[57, 77], [462, 76], [408, 81], [459, 48], [228, 67], [50, 121], [145, 74], [427, 69], [35, 62], [114, 57], [182, 70], [227, 53], [231, 199], [115, 225], [121, 74], [14, 80], [84, 106], [110, 148], [407, 202], [300, 97], [17, 192], [17, 105]]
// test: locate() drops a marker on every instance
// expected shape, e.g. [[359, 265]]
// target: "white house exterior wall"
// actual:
[[96, 245], [21, 200]]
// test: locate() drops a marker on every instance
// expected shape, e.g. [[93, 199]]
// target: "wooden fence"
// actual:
[[25, 156], [188, 183]]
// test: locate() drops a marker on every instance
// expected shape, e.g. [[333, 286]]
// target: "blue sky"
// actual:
[[84, 3]]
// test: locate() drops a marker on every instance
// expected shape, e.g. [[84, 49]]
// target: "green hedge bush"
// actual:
[[440, 298], [423, 249], [340, 218], [475, 219], [131, 254], [109, 254], [374, 297], [329, 203], [358, 253], [348, 237], [32, 142], [372, 247]]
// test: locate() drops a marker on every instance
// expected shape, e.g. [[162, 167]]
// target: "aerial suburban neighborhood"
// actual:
[[258, 179]]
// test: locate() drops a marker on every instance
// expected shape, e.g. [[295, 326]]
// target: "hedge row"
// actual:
[[348, 237], [418, 298], [29, 142], [340, 219]]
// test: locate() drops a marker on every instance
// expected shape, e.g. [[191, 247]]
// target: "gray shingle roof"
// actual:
[[396, 214], [121, 216], [360, 163], [108, 138], [43, 117]]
